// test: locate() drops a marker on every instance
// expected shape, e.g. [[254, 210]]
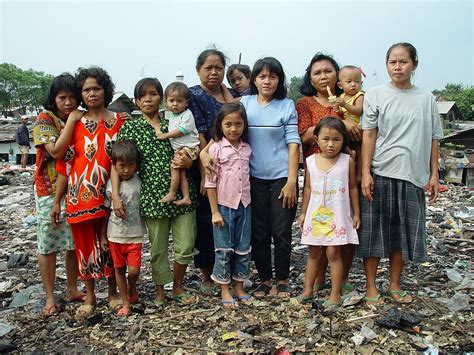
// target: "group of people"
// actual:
[[219, 171]]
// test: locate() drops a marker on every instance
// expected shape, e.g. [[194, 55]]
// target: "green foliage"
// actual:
[[20, 87], [464, 97], [294, 88]]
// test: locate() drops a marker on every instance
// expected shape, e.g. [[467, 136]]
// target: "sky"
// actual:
[[136, 39]]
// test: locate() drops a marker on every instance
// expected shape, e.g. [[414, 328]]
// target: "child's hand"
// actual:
[[160, 135], [217, 220], [206, 162], [356, 221], [340, 102], [125, 116], [104, 243], [55, 213], [202, 188], [300, 220]]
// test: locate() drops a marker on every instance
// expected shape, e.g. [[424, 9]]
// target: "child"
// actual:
[[182, 135], [326, 220], [228, 190], [352, 99], [238, 76], [124, 236]]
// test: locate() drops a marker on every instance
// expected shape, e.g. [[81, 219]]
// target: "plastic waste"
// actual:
[[5, 328], [453, 275], [29, 221], [16, 260], [396, 319], [459, 302]]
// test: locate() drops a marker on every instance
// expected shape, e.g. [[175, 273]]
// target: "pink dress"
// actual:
[[328, 219]]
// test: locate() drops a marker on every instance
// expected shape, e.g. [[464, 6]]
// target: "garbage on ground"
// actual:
[[399, 319]]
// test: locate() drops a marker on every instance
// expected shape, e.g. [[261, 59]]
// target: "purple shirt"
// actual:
[[231, 176]]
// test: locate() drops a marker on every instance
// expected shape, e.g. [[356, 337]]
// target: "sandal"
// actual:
[[377, 300], [346, 287], [124, 312], [133, 299], [50, 310], [283, 288], [318, 288], [80, 297], [331, 306], [304, 299], [245, 299], [115, 304], [159, 303], [403, 296], [263, 289], [208, 288], [84, 311], [184, 298], [229, 304]]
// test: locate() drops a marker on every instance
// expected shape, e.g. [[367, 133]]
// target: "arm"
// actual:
[[173, 134], [368, 147], [305, 127], [288, 192], [217, 220], [119, 208], [355, 109], [433, 185], [205, 160], [104, 242], [61, 186], [354, 194], [57, 149], [355, 132], [306, 198]]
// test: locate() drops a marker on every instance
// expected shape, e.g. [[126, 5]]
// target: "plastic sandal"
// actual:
[[330, 306], [184, 298], [403, 296], [123, 312], [377, 300], [304, 299], [283, 288], [229, 304], [262, 288]]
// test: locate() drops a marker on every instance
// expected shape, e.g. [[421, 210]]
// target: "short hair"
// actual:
[[409, 47], [64, 81], [226, 109], [180, 88], [244, 68], [125, 151], [208, 52], [349, 67], [335, 123], [273, 66], [103, 79], [306, 88], [144, 83]]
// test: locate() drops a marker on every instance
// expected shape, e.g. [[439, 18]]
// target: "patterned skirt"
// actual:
[[394, 220]]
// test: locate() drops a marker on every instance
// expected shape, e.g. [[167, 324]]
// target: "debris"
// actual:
[[459, 302], [5, 328], [16, 260], [396, 319], [21, 298]]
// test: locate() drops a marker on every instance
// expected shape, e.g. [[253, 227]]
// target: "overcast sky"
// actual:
[[134, 39]]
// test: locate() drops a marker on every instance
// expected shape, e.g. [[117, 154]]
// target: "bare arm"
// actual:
[[307, 137], [434, 175], [61, 186], [355, 109], [368, 147], [306, 198], [57, 149], [173, 134], [354, 193], [119, 209], [217, 219], [288, 192]]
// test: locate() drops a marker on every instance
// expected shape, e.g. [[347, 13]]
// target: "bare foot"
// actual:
[[183, 202], [169, 197]]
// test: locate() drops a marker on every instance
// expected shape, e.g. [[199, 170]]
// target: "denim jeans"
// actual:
[[232, 245]]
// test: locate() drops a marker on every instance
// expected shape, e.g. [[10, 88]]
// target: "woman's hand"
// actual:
[[75, 116], [125, 116], [104, 243], [288, 194], [55, 213], [202, 188], [367, 186], [433, 189], [181, 160], [119, 209], [206, 162], [355, 132]]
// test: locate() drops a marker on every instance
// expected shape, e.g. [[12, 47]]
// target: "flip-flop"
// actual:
[[263, 288], [346, 287], [331, 306], [84, 311], [50, 310], [304, 299], [115, 303], [184, 298], [208, 290], [403, 296], [159, 304], [134, 298], [123, 312], [377, 300], [318, 288], [229, 304], [245, 299], [283, 288], [81, 297]]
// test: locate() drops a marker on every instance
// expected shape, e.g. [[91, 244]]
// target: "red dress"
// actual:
[[87, 164]]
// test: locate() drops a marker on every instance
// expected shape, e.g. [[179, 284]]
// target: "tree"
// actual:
[[464, 97], [294, 88]]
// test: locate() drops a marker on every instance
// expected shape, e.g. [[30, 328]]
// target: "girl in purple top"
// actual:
[[228, 189]]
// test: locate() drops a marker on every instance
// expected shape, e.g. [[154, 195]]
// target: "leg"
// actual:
[[24, 160], [134, 258], [184, 186], [122, 286], [347, 254], [72, 293], [370, 266], [335, 262], [132, 278], [242, 249], [396, 268], [90, 292], [227, 300], [47, 266], [171, 195], [314, 256]]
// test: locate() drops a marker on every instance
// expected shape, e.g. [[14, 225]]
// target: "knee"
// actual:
[[133, 271], [333, 254]]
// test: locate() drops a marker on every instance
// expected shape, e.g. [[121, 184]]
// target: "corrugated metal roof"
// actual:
[[445, 106]]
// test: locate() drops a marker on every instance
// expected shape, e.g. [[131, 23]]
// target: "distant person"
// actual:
[[183, 135], [238, 76], [22, 138], [399, 120]]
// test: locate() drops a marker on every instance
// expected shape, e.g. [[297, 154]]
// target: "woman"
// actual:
[[206, 100], [90, 164], [273, 135], [399, 120], [51, 135], [320, 74], [160, 218]]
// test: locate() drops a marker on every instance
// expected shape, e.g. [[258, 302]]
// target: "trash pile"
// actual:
[[439, 319]]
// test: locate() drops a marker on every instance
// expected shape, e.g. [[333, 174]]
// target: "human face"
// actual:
[[239, 81], [330, 142], [323, 74], [92, 93], [211, 72], [149, 101], [175, 102], [125, 170], [65, 103], [350, 81], [232, 127], [400, 67], [266, 83]]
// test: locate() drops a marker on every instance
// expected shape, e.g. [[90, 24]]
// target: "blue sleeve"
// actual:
[[199, 116], [291, 126]]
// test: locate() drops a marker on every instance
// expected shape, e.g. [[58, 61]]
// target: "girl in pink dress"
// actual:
[[327, 219]]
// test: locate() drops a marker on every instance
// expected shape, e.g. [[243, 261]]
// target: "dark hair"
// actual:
[[273, 66], [64, 82], [244, 68], [103, 79], [125, 151], [409, 47], [179, 87], [306, 88], [144, 83], [225, 110], [208, 52], [335, 123]]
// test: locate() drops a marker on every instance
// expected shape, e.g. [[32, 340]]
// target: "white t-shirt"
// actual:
[[407, 121], [131, 229], [183, 121]]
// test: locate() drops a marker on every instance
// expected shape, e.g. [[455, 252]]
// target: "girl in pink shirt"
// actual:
[[228, 189]]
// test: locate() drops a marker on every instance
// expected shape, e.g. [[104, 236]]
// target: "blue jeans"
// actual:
[[232, 245]]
